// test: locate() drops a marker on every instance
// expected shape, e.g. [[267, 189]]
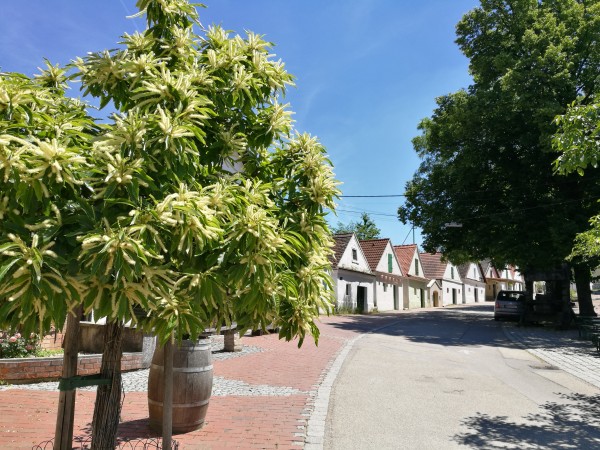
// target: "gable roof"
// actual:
[[373, 250], [486, 265], [340, 243], [405, 254], [463, 270], [433, 266]]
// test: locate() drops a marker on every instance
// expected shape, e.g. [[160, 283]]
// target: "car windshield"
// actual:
[[511, 296]]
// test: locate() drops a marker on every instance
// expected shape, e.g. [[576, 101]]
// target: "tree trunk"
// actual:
[[584, 294], [63, 435], [107, 409]]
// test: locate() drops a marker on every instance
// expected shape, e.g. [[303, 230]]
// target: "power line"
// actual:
[[372, 196], [370, 213]]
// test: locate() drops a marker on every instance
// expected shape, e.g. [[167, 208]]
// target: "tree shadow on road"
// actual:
[[572, 425], [452, 326]]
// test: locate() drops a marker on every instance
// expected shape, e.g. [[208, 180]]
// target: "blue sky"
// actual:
[[367, 71]]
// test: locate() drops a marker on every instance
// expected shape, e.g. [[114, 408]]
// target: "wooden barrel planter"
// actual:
[[192, 386]]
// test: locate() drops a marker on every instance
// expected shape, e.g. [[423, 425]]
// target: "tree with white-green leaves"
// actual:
[[198, 205]]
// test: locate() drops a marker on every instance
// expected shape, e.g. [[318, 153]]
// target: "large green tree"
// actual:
[[197, 204], [486, 151], [578, 140], [364, 228]]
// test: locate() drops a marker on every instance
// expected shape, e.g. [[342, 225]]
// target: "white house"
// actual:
[[447, 274], [473, 283], [353, 280], [388, 275], [415, 284], [496, 279]]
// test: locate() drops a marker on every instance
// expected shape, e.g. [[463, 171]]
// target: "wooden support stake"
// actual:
[[63, 435], [167, 425]]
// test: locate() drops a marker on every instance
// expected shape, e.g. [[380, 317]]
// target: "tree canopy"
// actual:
[[198, 203], [364, 229], [487, 157], [578, 140]]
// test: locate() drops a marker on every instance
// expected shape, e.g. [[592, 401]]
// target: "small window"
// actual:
[[452, 272], [416, 267], [348, 289], [354, 254], [415, 289], [447, 290], [384, 287], [390, 260]]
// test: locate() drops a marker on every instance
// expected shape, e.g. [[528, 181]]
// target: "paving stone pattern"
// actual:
[[262, 397], [560, 348], [271, 395]]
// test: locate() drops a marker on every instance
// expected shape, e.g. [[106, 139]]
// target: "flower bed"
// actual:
[[14, 345]]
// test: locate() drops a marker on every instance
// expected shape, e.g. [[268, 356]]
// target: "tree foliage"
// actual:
[[578, 140], [486, 151], [197, 204], [365, 228]]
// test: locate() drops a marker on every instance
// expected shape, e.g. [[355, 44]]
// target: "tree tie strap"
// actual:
[[72, 383]]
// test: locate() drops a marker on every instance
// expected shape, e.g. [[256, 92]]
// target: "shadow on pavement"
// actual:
[[575, 425], [453, 326]]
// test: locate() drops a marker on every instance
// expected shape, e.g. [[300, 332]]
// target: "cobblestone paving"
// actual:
[[560, 348]]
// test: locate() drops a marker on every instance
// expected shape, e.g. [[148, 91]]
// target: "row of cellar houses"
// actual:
[[374, 274]]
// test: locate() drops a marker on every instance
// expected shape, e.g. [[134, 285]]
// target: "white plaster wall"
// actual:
[[354, 279], [414, 296], [385, 300], [347, 262], [447, 286], [383, 262], [469, 293]]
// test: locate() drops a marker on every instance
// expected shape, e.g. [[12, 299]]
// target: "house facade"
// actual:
[[496, 279], [388, 290], [353, 281], [446, 274], [414, 286], [473, 283]]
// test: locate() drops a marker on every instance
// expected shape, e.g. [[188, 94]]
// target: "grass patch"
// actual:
[[42, 353]]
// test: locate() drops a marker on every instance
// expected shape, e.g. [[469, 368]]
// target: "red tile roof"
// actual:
[[373, 250], [341, 242], [433, 266], [405, 255]]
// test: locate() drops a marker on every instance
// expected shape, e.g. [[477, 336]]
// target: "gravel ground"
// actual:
[[137, 381]]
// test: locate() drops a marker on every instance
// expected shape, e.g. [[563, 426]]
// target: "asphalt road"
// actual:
[[448, 379]]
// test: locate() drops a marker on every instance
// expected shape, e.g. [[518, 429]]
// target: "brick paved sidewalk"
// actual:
[[272, 419]]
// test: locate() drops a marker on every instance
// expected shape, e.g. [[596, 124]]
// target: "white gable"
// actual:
[[384, 262], [413, 265], [474, 272], [353, 258], [451, 273]]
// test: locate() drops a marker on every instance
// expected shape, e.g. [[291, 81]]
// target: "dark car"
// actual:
[[509, 305]]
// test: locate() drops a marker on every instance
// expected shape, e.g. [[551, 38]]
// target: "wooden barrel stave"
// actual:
[[192, 386]]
